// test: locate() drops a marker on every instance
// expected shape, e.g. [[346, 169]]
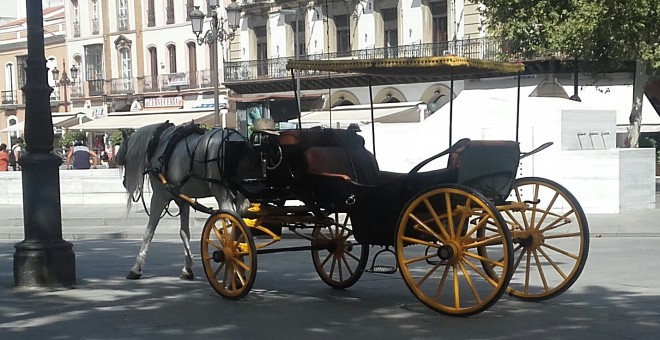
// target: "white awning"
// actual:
[[135, 120], [63, 121], [404, 112]]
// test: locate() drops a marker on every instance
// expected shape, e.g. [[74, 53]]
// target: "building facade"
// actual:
[[13, 56]]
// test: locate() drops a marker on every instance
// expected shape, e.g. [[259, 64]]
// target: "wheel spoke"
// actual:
[[547, 209], [552, 263], [422, 242], [436, 218], [476, 227], [347, 265], [561, 251], [481, 273], [555, 224], [488, 241], [484, 259], [450, 217], [457, 292], [556, 236], [469, 282], [425, 227], [441, 284], [417, 259], [540, 270]]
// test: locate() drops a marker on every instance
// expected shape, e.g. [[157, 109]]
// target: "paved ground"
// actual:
[[616, 297]]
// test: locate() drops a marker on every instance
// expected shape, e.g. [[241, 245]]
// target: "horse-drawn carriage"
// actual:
[[461, 235]]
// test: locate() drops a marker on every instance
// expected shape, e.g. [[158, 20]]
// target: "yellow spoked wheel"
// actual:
[[340, 259], [551, 239], [445, 235], [229, 255]]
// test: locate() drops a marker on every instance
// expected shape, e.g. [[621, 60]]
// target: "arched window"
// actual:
[[151, 13], [171, 53], [192, 63], [9, 96], [126, 70]]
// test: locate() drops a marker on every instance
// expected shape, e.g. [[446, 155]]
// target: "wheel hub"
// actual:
[[218, 256], [448, 252], [529, 238]]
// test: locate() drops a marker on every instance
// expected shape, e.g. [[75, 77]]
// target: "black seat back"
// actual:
[[488, 166]]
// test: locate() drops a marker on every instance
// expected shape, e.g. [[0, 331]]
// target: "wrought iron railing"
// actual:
[[174, 81], [122, 85], [95, 87], [8, 97], [480, 48]]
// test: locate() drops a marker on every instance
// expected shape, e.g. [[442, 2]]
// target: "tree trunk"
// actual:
[[641, 78]]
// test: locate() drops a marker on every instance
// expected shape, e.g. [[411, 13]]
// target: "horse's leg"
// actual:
[[159, 200], [224, 197], [184, 232]]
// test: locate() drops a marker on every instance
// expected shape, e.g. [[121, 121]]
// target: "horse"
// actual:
[[193, 166]]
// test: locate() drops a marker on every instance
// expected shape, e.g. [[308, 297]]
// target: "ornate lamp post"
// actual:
[[65, 81], [216, 34], [296, 13], [43, 258]]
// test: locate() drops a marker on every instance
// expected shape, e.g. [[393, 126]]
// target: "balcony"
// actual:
[[176, 81], [8, 98], [122, 85], [95, 87], [270, 75]]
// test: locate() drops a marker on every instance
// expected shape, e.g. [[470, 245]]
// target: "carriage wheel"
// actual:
[[438, 240], [229, 255], [551, 239], [341, 260]]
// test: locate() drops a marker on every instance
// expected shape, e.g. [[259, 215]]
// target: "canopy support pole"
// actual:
[[518, 109], [295, 93], [330, 99], [451, 106], [373, 126]]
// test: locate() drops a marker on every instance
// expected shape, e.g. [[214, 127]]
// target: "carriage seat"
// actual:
[[489, 166], [334, 161]]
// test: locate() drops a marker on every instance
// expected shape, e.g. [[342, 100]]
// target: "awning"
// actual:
[[135, 120], [58, 122], [403, 112]]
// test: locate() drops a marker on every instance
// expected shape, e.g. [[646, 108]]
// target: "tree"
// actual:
[[608, 32]]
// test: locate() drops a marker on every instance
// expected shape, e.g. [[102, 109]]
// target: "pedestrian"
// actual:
[[81, 155], [4, 157], [15, 155]]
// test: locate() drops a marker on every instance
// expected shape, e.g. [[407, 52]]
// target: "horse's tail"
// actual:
[[132, 156]]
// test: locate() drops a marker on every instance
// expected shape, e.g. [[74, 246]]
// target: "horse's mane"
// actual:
[[132, 156]]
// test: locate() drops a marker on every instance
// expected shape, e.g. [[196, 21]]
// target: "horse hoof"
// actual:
[[187, 276], [133, 275]]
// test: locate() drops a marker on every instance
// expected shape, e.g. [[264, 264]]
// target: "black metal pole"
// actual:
[[329, 99], [575, 82], [373, 125], [451, 106], [295, 93], [43, 258], [518, 109]]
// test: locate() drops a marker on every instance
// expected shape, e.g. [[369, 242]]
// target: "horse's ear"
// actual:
[[124, 134]]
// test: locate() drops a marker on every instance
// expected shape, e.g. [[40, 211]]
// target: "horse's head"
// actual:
[[120, 157]]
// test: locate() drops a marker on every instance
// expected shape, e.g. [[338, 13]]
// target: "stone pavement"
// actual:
[[616, 297]]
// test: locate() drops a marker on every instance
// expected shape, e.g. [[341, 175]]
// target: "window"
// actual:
[[76, 18], [262, 50], [390, 27], [192, 63], [300, 37], [95, 17], [171, 52], [151, 14], [170, 11], [439, 27], [21, 61], [123, 15], [94, 68], [343, 35], [190, 6], [126, 71], [8, 95], [152, 81]]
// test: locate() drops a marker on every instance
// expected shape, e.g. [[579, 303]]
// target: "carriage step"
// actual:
[[381, 270]]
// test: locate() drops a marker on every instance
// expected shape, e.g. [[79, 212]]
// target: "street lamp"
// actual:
[[215, 34], [65, 81]]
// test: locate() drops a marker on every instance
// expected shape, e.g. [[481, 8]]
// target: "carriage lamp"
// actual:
[[65, 81], [216, 34]]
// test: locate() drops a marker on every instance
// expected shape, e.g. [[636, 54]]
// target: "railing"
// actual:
[[8, 97], [176, 81], [122, 85], [95, 87], [480, 48]]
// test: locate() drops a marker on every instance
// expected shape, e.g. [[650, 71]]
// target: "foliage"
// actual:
[[115, 137], [69, 137], [605, 31]]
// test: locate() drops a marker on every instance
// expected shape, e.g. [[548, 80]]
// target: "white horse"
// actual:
[[196, 168]]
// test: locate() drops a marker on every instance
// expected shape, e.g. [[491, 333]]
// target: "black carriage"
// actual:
[[461, 236]]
